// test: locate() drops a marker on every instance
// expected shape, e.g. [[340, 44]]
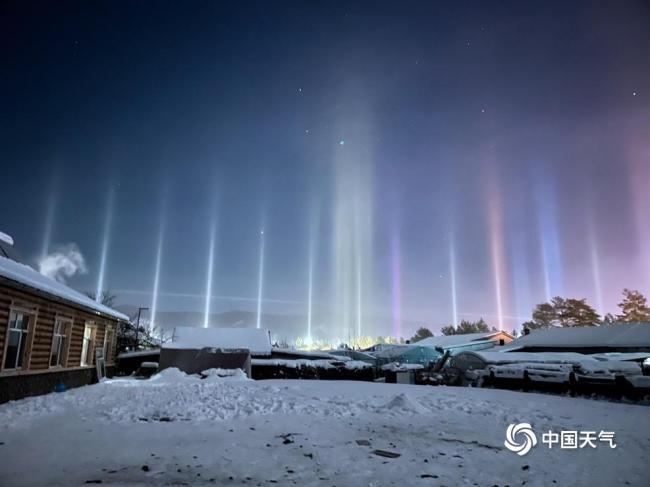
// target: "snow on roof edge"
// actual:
[[27, 276], [6, 238], [459, 340], [257, 340]]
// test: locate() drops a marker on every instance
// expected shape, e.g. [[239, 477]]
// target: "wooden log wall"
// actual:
[[45, 312]]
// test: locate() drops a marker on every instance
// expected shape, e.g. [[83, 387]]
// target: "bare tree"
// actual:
[[107, 298]]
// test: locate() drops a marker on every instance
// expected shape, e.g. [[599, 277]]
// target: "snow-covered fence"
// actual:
[[312, 369]]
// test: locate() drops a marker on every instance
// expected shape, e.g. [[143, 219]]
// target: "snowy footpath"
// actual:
[[180, 430]]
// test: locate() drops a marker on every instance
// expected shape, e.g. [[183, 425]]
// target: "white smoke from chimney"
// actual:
[[63, 263]]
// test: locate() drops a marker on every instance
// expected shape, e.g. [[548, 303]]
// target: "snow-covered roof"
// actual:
[[609, 336], [450, 341], [139, 353], [490, 357], [257, 340], [306, 353], [6, 238], [27, 276], [623, 356]]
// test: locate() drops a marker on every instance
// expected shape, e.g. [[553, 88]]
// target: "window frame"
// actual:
[[32, 315], [89, 354], [108, 359], [67, 335]]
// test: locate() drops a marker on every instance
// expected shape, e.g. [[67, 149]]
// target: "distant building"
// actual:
[[378, 347], [367, 357], [50, 334], [590, 359], [470, 341], [194, 350]]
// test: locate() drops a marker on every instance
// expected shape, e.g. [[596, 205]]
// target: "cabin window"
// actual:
[[88, 346], [109, 336], [17, 340], [60, 342]]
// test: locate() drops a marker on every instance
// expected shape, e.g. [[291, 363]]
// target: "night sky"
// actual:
[[501, 149]]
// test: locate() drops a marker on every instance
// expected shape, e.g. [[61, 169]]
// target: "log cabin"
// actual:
[[50, 334]]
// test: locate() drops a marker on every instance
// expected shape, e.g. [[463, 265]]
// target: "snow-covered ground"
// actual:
[[180, 430]]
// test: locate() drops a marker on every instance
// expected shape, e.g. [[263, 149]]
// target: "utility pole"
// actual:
[[137, 327]]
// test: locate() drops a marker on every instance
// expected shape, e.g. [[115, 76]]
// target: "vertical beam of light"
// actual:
[[396, 278], [595, 270], [313, 239], [310, 291], [359, 276], [108, 218], [352, 232], [49, 220], [521, 275], [496, 246], [639, 174], [549, 236], [452, 279], [208, 284], [156, 276], [595, 263], [260, 281]]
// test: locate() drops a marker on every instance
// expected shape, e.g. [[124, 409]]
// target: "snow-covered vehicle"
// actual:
[[556, 371]]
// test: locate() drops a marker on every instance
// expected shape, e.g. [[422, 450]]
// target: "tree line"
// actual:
[[560, 312]]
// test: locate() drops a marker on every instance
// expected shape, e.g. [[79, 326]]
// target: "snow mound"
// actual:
[[172, 375], [404, 403], [224, 374]]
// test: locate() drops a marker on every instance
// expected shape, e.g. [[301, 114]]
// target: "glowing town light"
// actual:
[[260, 281], [105, 241], [452, 275], [156, 277], [396, 278], [208, 284]]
